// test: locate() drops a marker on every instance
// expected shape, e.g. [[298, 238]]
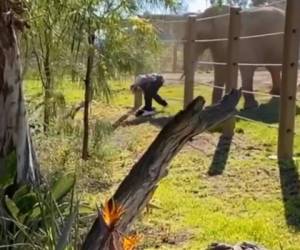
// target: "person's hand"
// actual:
[[134, 88], [165, 104]]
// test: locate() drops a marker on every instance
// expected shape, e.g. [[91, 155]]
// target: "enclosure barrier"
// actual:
[[219, 86], [232, 62], [289, 78], [289, 67], [188, 61]]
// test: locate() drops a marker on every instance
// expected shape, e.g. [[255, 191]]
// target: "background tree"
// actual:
[[241, 3], [15, 135], [49, 41], [114, 41], [63, 33]]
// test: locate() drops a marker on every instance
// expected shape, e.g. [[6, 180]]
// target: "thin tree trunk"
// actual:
[[14, 130], [87, 96], [139, 185], [48, 88], [73, 75]]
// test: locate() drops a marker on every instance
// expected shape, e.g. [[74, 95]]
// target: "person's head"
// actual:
[[160, 79]]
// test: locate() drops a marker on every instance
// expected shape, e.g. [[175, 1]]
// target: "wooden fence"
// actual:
[[289, 69]]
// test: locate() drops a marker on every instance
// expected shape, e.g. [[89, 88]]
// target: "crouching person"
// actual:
[[149, 85]]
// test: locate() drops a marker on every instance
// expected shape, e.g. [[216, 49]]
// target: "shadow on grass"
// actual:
[[221, 153], [266, 112], [290, 187], [156, 121], [221, 156]]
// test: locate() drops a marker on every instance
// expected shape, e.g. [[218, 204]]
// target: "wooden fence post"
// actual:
[[289, 81], [189, 65], [232, 62], [138, 100]]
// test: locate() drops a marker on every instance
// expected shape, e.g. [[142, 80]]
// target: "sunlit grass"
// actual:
[[243, 203]]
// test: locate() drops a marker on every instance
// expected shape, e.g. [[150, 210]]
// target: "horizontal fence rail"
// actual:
[[262, 35], [243, 91], [246, 37], [200, 19], [211, 63], [211, 40], [241, 64], [289, 67], [169, 21], [261, 64], [257, 122]]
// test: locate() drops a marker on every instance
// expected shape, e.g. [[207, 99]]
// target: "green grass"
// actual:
[[73, 93], [192, 209]]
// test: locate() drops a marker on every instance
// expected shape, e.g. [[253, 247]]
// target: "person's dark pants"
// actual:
[[150, 94]]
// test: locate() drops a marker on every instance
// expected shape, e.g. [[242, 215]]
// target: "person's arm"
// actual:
[[156, 84], [159, 100]]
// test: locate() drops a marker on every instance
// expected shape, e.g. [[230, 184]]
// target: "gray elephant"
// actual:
[[260, 50]]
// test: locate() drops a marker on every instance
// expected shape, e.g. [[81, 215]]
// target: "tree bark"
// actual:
[[138, 187], [48, 88], [87, 96], [14, 130]]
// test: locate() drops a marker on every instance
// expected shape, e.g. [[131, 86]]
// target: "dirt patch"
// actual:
[[160, 235], [209, 143]]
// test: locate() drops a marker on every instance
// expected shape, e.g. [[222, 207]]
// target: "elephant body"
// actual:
[[262, 50]]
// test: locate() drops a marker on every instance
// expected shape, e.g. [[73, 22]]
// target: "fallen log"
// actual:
[[139, 185]]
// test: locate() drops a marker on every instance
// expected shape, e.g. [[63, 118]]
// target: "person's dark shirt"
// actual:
[[149, 81]]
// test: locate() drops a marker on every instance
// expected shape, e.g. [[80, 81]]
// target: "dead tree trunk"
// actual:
[[138, 187], [14, 131], [87, 96]]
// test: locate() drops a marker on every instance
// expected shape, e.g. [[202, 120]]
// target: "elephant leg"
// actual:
[[276, 80], [247, 74], [219, 81]]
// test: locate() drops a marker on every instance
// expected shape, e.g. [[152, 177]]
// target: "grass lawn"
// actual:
[[209, 195]]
